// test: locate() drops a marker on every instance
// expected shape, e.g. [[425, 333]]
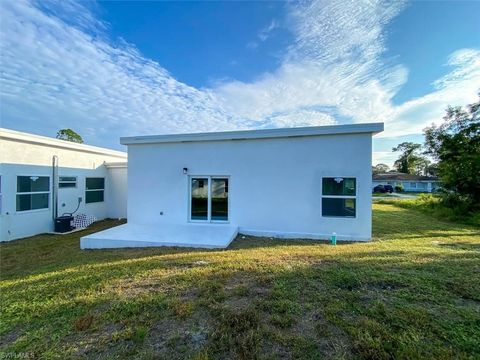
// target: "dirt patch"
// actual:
[[92, 344], [176, 339], [331, 340], [384, 285], [10, 337]]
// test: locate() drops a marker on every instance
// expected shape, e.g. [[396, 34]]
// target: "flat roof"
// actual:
[[372, 128], [57, 143]]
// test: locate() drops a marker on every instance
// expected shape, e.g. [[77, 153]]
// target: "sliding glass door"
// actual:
[[209, 198], [219, 199], [199, 204]]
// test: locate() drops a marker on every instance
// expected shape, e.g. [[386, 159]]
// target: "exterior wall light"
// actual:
[[185, 170]]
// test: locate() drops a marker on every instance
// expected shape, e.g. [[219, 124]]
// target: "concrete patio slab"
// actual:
[[210, 236]]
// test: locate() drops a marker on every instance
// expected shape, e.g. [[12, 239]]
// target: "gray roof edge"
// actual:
[[372, 128]]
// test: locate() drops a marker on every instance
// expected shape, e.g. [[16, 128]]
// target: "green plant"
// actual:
[[399, 188], [455, 144]]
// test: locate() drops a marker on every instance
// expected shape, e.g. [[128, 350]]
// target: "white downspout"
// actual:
[[54, 187]]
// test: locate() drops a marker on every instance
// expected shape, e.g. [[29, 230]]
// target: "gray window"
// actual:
[[94, 190], [209, 198], [199, 199], [339, 197], [67, 182], [219, 200], [33, 192]]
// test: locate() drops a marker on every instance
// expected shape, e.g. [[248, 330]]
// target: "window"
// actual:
[[209, 199], [413, 185], [94, 190], [339, 197], [67, 182], [33, 192]]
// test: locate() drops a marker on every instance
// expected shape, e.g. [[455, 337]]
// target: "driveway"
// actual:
[[395, 196]]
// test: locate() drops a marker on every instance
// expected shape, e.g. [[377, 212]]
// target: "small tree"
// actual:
[[69, 135], [456, 146], [410, 161], [380, 168]]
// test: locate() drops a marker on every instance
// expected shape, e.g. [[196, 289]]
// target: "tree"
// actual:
[[411, 161], [455, 144], [380, 169], [69, 135]]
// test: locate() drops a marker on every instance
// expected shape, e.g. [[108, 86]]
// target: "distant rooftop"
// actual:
[[403, 176], [372, 128]]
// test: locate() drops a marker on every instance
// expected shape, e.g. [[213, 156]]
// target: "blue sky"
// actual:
[[112, 69]]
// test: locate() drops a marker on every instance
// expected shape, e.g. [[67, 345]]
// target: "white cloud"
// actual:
[[59, 69], [55, 75], [457, 88], [384, 157], [266, 32]]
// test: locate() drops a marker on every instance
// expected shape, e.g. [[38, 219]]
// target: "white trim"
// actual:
[[371, 128], [116, 164]]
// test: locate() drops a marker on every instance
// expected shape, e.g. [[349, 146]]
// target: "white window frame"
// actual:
[[67, 182], [32, 193], [355, 197], [86, 190], [209, 201]]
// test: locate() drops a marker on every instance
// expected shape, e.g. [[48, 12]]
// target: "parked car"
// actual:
[[379, 189], [388, 188], [383, 189]]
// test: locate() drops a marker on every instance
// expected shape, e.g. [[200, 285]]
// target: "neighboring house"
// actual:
[[410, 182], [201, 189], [42, 177]]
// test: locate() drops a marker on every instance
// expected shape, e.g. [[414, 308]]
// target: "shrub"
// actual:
[[398, 188], [449, 206]]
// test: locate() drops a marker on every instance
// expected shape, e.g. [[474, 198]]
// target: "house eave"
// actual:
[[22, 137], [372, 128]]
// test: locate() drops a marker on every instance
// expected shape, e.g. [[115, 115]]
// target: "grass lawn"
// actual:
[[414, 292]]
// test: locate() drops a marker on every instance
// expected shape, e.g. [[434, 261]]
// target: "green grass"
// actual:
[[436, 206], [414, 292]]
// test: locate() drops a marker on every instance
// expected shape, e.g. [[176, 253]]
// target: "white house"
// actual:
[[202, 189], [42, 178], [409, 182]]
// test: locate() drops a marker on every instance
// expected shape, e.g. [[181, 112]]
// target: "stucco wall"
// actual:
[[15, 225], [116, 196], [19, 152], [25, 154], [275, 184]]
